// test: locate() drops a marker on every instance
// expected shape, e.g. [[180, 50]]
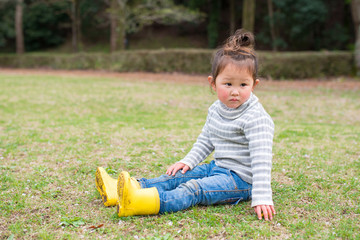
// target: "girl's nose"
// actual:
[[234, 92]]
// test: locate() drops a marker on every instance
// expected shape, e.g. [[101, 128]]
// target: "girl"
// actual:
[[237, 128]]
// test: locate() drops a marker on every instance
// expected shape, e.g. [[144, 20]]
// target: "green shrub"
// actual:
[[275, 65], [306, 64]]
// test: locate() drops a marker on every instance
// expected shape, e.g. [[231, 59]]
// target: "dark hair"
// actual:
[[238, 49]]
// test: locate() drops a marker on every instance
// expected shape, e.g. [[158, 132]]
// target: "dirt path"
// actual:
[[333, 83]]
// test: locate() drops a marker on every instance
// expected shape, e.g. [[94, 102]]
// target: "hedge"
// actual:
[[278, 65]]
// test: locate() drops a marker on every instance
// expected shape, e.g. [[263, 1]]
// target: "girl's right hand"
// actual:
[[266, 211], [172, 170]]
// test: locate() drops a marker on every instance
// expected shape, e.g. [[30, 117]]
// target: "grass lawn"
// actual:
[[55, 130]]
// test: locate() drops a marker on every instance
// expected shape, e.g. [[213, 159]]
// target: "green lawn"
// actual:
[[55, 131]]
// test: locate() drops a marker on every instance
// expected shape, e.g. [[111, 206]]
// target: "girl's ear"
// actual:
[[212, 83], [255, 83]]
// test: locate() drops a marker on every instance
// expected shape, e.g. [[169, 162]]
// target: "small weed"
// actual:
[[74, 222], [110, 170]]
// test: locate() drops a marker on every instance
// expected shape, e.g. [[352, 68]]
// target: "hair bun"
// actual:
[[239, 40], [238, 49]]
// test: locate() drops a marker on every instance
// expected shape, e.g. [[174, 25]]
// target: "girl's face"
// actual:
[[233, 85]]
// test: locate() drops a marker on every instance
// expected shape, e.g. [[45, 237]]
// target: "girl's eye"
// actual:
[[243, 85], [228, 84]]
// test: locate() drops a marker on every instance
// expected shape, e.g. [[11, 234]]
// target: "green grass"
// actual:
[[55, 131]]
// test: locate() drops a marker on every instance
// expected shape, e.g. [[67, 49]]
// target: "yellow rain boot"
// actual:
[[107, 186], [135, 201]]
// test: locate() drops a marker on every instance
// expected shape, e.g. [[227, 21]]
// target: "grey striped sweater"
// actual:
[[242, 140]]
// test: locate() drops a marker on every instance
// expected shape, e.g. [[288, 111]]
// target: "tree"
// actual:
[[71, 8], [301, 24], [213, 26], [20, 48], [248, 17], [165, 12], [46, 23], [355, 12], [75, 24], [7, 24], [232, 16], [128, 16], [355, 15], [272, 25], [117, 16]]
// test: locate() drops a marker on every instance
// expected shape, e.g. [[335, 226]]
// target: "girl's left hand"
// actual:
[[268, 211]]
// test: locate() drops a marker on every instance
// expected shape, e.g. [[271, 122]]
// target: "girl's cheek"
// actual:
[[222, 94], [246, 95]]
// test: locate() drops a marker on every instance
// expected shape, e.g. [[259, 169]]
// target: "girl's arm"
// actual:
[[259, 131]]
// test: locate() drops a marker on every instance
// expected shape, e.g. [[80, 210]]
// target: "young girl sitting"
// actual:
[[237, 128]]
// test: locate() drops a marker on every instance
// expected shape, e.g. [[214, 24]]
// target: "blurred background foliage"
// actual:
[[153, 24]]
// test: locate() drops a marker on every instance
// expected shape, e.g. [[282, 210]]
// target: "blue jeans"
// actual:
[[206, 184]]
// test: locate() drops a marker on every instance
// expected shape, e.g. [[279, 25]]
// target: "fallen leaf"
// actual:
[[95, 227]]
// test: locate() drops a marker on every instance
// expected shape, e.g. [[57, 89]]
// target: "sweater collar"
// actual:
[[233, 113]]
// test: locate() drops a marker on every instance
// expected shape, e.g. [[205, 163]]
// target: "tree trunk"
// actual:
[[113, 34], [272, 26], [355, 11], [232, 16], [75, 25], [213, 25], [355, 15], [117, 14], [20, 48], [248, 18], [78, 25], [74, 28]]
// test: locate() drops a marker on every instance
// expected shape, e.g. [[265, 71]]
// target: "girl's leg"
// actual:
[[223, 186], [167, 183], [133, 200]]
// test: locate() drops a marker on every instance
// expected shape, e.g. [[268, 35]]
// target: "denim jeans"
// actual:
[[205, 184]]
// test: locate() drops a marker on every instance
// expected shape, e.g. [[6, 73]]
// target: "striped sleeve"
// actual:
[[260, 131], [201, 149]]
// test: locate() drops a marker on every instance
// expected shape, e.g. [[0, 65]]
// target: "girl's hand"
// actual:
[[268, 211], [176, 167]]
